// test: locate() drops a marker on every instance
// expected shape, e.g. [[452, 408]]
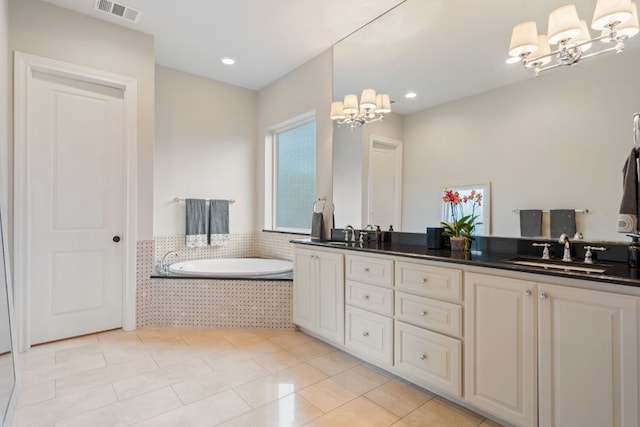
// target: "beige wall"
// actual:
[[556, 141], [204, 148], [307, 88], [42, 29]]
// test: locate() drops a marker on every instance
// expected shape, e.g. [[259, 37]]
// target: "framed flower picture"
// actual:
[[468, 199]]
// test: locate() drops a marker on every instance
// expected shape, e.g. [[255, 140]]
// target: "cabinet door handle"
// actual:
[[366, 297], [366, 270], [423, 356], [543, 295], [424, 313], [527, 293], [424, 280], [365, 334]]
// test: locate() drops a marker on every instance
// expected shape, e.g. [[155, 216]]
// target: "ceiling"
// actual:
[[267, 39], [442, 49]]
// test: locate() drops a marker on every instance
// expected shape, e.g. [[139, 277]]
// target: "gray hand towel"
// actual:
[[531, 223], [562, 221], [218, 222], [317, 225], [196, 223], [628, 214]]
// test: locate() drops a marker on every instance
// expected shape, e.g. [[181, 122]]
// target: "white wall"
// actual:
[[307, 88], [556, 141], [40, 28], [204, 148]]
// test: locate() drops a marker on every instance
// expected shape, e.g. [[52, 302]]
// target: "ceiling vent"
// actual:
[[118, 9]]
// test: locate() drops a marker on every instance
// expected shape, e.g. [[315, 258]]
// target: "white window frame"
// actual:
[[271, 161]]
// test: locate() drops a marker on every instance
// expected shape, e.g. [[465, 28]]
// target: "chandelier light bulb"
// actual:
[[368, 99], [629, 28], [524, 39], [610, 12]]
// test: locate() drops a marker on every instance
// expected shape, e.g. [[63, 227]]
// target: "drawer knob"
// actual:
[[543, 295], [424, 280], [366, 270], [366, 297], [365, 334], [527, 293], [424, 313], [423, 356]]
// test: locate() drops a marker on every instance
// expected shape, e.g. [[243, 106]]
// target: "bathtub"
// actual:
[[232, 267]]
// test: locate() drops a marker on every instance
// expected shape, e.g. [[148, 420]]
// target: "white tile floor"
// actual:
[[208, 377]]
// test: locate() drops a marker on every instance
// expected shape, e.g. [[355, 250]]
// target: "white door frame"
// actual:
[[24, 67], [396, 146]]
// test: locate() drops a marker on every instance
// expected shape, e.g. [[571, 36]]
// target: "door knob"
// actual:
[[116, 239]]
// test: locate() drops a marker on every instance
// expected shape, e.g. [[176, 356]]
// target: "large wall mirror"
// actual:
[[556, 141], [8, 395]]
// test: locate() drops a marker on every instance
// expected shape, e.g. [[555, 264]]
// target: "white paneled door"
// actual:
[[75, 176]]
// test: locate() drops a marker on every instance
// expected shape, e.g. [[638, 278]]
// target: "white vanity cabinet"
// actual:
[[550, 355], [500, 347], [588, 357], [318, 293], [369, 308], [428, 325]]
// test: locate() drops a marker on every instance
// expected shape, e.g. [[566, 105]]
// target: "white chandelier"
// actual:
[[616, 20], [372, 108]]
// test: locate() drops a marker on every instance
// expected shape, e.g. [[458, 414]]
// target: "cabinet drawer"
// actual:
[[429, 357], [428, 281], [374, 271], [369, 334], [371, 298], [428, 313]]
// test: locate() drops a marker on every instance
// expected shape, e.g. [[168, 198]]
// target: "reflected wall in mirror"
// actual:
[[557, 141]]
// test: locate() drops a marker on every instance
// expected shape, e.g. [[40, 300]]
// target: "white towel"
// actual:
[[628, 217]]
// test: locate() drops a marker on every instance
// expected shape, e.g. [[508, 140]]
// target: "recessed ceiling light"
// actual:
[[228, 61], [410, 95]]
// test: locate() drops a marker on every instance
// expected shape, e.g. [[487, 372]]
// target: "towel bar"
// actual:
[[323, 200], [584, 211], [179, 200]]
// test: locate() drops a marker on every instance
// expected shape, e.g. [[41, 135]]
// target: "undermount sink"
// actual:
[[557, 265]]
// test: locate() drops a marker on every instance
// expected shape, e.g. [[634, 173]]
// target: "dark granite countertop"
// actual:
[[497, 254]]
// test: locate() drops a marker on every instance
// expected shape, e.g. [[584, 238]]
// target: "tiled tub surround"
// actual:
[[213, 303]]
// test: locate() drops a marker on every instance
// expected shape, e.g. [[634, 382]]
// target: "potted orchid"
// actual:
[[463, 217]]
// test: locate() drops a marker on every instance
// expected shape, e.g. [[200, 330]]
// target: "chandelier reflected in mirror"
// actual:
[[371, 108], [615, 20]]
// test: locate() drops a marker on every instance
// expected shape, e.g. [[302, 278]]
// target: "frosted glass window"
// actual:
[[295, 177]]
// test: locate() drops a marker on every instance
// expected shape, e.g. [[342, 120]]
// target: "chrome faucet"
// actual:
[[164, 267], [564, 240], [348, 229]]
